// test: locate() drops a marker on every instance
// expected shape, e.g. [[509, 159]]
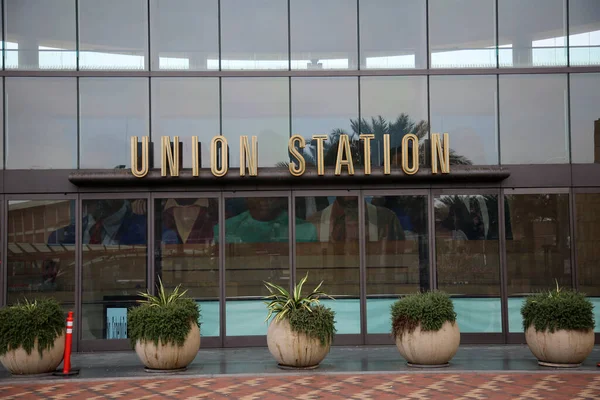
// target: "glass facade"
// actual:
[[514, 84]]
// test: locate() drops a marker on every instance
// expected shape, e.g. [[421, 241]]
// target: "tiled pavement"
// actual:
[[348, 372], [560, 385]]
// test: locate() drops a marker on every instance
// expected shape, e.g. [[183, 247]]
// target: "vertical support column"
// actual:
[[362, 266], [573, 239], [221, 236], [503, 265], [292, 236], [150, 235], [4, 238], [78, 272], [431, 233]]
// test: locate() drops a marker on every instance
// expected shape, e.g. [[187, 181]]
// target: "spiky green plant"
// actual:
[[162, 299], [281, 302], [557, 309], [23, 323], [164, 317], [305, 313]]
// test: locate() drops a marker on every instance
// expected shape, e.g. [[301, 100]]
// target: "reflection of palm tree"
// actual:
[[378, 126]]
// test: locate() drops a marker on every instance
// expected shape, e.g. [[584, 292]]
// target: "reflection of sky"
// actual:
[[471, 136], [549, 51]]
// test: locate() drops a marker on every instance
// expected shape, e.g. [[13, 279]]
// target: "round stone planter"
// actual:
[[429, 348], [18, 362], [294, 349], [169, 356], [560, 349]]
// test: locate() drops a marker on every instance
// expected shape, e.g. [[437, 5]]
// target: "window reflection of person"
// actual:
[[188, 221], [265, 220], [338, 225], [108, 222]]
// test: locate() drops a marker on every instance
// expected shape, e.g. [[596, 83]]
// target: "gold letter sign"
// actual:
[[172, 156], [406, 156], [214, 168], [438, 153], [245, 154], [142, 171], [297, 170]]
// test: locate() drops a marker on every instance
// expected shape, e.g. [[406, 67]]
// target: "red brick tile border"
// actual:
[[435, 386]]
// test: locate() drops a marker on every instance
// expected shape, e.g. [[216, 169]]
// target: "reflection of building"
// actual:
[[517, 211]]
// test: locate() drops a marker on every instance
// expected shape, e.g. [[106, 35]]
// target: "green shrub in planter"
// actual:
[[430, 309], [22, 324], [301, 330], [558, 309], [437, 338], [559, 327], [165, 317]]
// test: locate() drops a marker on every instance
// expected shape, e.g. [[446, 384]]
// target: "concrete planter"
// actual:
[[429, 348], [18, 362], [169, 356], [294, 349], [562, 348]]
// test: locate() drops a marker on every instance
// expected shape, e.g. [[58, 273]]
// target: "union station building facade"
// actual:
[[381, 146]]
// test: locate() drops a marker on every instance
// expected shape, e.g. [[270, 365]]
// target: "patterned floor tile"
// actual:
[[420, 386]]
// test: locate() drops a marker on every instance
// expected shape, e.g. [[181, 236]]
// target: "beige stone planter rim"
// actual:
[[557, 354], [285, 345], [169, 357]]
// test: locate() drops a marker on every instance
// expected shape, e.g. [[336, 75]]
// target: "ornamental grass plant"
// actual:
[[430, 309], [165, 317], [304, 313], [558, 309], [23, 323]]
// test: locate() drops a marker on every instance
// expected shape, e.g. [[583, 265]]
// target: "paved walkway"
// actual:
[[436, 386], [348, 372]]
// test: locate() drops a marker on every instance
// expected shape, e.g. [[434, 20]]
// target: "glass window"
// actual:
[[113, 34], [468, 258], [257, 251], [587, 206], [260, 107], [184, 35], [111, 111], [41, 123], [537, 247], [584, 32], [41, 250], [324, 106], [185, 107], [585, 118], [41, 34], [185, 253], [114, 259], [327, 249], [392, 34], [323, 35], [532, 33], [462, 33], [260, 42], [470, 119], [394, 105], [397, 254], [533, 119]]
